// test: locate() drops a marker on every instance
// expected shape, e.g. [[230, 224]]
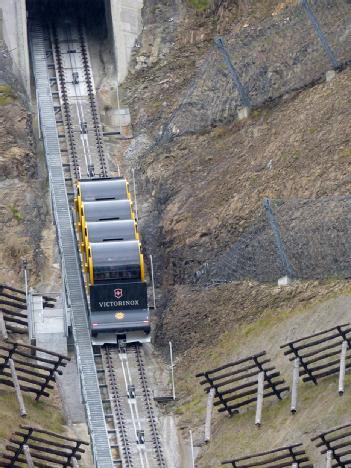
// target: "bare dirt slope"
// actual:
[[199, 193], [23, 207], [300, 148]]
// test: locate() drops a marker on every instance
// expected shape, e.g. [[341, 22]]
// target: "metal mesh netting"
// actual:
[[283, 53], [334, 17], [315, 236]]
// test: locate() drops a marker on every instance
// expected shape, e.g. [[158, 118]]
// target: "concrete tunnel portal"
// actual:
[[112, 27]]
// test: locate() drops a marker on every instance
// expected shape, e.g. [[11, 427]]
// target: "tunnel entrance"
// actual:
[[112, 30], [91, 12], [95, 17]]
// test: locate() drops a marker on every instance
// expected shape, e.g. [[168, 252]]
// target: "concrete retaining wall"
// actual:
[[124, 17], [14, 33]]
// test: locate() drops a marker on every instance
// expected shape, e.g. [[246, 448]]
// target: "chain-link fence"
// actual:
[[285, 52], [305, 239]]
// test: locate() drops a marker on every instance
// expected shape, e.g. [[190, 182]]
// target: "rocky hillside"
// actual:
[[24, 224], [25, 231], [202, 192]]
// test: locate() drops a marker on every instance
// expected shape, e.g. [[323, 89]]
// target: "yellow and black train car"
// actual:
[[113, 261]]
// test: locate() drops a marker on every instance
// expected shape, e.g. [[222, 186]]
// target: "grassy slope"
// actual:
[[45, 414], [320, 407]]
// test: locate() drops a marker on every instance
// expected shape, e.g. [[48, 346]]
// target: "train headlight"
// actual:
[[119, 315]]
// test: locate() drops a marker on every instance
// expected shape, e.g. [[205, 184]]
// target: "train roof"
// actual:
[[103, 189], [103, 231], [113, 254], [107, 210]]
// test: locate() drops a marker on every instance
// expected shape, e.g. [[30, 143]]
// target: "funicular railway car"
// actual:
[[109, 231], [113, 188], [111, 210], [107, 189], [113, 261]]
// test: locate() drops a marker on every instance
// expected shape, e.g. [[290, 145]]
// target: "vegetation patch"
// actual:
[[199, 5], [345, 153], [16, 213], [6, 95]]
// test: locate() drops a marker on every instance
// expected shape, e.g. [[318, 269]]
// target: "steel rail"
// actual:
[[149, 407], [69, 253], [133, 405], [76, 291], [91, 96], [68, 124], [118, 416]]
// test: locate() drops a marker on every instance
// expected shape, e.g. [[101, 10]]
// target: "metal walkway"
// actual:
[[69, 255]]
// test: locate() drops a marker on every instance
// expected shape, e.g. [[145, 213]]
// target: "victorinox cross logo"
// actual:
[[118, 293]]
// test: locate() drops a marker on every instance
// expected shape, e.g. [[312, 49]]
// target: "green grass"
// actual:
[[15, 213], [6, 95], [199, 5], [345, 153], [194, 406]]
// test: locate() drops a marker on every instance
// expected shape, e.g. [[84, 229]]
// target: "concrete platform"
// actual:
[[69, 386], [48, 326], [49, 330]]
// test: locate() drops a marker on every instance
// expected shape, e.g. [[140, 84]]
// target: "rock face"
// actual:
[[202, 193], [208, 189], [23, 192]]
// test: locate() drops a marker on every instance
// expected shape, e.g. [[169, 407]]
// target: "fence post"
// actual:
[[17, 387], [342, 367], [153, 281], [3, 331], [278, 238], [172, 369], [245, 99], [192, 448], [25, 265], [28, 456], [135, 196], [260, 388], [295, 383], [74, 463], [209, 414], [321, 36], [329, 459]]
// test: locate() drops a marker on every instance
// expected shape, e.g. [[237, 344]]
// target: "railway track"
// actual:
[[81, 132], [126, 397], [129, 407]]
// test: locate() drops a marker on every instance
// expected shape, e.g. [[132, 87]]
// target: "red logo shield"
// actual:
[[118, 293]]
